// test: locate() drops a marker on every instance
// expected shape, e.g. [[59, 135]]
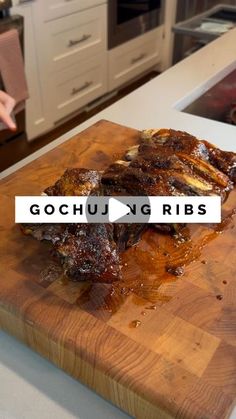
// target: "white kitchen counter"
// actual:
[[31, 387]]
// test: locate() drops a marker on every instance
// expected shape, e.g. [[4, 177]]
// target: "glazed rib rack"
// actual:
[[165, 162]]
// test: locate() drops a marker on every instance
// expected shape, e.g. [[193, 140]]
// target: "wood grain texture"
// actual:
[[181, 361]]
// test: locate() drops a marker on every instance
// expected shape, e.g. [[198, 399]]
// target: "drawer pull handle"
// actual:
[[22, 1], [74, 42], [139, 58], [76, 90]]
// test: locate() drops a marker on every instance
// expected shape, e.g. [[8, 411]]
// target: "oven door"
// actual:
[[130, 18]]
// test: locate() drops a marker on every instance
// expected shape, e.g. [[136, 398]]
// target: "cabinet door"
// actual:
[[36, 120], [78, 85], [131, 59], [53, 9], [75, 37]]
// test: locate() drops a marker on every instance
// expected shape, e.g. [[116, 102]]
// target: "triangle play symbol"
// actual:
[[117, 210]]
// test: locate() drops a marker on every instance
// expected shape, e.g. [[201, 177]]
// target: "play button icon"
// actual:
[[117, 210]]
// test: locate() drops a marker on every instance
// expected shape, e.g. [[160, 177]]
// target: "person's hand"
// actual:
[[7, 104]]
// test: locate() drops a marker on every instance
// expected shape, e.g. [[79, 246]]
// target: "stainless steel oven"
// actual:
[[130, 18]]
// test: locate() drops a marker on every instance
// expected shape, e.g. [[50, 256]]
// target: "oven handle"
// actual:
[[139, 58]]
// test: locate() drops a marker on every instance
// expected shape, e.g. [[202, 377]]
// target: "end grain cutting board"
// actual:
[[181, 360]]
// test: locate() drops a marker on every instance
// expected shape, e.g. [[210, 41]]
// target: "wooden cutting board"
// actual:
[[180, 360]]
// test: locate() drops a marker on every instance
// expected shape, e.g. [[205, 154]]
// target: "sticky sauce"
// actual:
[[154, 268], [134, 324], [152, 307]]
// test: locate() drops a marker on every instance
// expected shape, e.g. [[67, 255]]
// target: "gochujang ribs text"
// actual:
[[166, 162]]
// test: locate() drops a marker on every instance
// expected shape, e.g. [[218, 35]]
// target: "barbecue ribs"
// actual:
[[166, 162], [169, 162]]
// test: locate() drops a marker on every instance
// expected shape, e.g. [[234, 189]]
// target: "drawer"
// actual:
[[133, 58], [79, 36], [53, 9], [78, 85]]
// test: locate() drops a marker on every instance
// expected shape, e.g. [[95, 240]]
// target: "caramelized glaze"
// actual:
[[152, 263], [156, 258]]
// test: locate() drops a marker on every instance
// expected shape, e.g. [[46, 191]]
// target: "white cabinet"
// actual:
[[53, 9], [132, 58], [78, 85], [36, 119], [75, 37], [65, 58], [67, 61], [72, 60]]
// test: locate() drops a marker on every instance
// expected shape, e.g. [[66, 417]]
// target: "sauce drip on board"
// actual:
[[157, 264]]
